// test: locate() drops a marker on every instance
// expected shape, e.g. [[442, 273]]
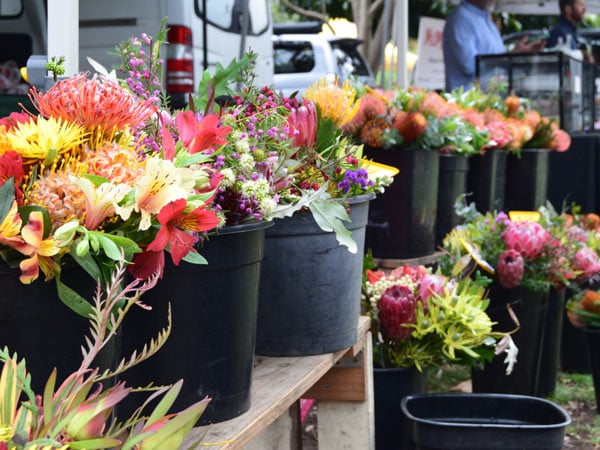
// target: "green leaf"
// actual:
[[72, 299], [95, 179], [187, 159], [115, 246], [7, 196], [329, 216], [195, 258]]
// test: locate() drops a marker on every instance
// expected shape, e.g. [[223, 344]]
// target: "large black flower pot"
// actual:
[[486, 180], [451, 185], [310, 285], [213, 334], [527, 179], [402, 219], [550, 357], [390, 386], [483, 421], [593, 340], [530, 309], [36, 325]]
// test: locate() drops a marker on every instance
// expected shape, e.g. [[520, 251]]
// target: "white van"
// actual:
[[228, 27]]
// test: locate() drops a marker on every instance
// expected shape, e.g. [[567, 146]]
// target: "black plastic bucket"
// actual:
[[574, 356], [390, 386], [483, 421], [36, 325], [530, 309], [550, 361], [486, 180], [527, 179], [452, 184], [310, 285], [402, 219], [212, 340], [593, 340]]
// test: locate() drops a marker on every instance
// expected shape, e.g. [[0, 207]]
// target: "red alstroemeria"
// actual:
[[146, 264], [200, 135], [176, 224], [168, 144], [11, 166], [14, 119], [374, 276]]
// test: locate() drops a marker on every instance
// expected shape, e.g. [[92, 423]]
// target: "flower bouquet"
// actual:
[[519, 260], [423, 319], [419, 321]]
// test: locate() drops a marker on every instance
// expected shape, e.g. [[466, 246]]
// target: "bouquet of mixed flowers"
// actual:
[[284, 155], [536, 252], [415, 118], [511, 122], [458, 122], [424, 319]]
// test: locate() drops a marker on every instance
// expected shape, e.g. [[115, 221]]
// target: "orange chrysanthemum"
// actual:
[[98, 104]]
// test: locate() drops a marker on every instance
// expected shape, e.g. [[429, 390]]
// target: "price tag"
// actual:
[[524, 216], [376, 169]]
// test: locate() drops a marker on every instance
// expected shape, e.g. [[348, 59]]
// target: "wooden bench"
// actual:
[[342, 382]]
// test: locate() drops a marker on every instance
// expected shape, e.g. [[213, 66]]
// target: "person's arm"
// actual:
[[534, 46]]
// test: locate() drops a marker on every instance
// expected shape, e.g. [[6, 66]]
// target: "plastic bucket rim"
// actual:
[[405, 400]]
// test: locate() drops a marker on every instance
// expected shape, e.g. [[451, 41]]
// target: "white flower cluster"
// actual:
[[375, 290]]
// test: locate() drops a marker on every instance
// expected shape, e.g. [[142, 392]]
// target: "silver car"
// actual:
[[302, 57]]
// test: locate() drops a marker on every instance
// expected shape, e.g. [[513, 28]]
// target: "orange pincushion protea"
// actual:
[[98, 104], [372, 105], [372, 132], [116, 162], [62, 198]]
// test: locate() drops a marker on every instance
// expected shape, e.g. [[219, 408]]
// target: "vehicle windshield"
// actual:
[[349, 60]]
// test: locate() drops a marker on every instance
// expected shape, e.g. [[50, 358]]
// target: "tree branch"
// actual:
[[305, 12]]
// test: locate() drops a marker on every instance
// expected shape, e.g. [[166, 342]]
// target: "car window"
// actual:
[[293, 57], [349, 60]]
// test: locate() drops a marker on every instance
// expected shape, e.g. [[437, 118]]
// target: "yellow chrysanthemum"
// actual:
[[336, 103], [43, 139]]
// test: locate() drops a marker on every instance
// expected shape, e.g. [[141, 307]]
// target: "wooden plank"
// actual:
[[276, 384], [340, 384]]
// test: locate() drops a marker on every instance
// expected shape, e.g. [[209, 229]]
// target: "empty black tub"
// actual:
[[483, 421]]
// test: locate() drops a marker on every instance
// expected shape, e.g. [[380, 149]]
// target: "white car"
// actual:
[[302, 57]]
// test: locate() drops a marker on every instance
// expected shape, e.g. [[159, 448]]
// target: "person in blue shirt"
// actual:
[[571, 14], [470, 31]]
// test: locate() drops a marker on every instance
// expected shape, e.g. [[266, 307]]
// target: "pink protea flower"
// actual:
[[98, 104], [511, 268], [527, 238], [397, 307], [586, 262], [303, 124], [432, 284]]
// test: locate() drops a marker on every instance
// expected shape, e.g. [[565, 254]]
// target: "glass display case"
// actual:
[[558, 85]]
